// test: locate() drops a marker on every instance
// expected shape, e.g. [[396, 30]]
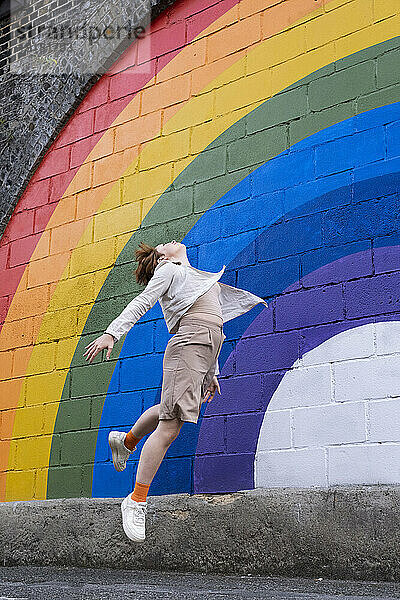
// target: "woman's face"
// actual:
[[171, 249]]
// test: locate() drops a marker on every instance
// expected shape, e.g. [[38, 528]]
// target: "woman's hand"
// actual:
[[214, 385], [104, 341]]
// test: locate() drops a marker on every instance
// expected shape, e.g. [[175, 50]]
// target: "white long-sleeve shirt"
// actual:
[[176, 287]]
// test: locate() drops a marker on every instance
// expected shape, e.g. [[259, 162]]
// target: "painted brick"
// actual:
[[239, 394], [76, 415], [211, 438], [282, 46], [371, 378], [371, 146], [14, 337], [103, 450], [369, 464], [78, 127], [173, 65], [122, 109], [344, 85], [383, 184], [275, 433], [37, 196], [216, 187], [180, 199], [164, 40], [336, 268], [137, 131], [169, 148], [101, 255], [388, 259], [329, 424], [242, 34], [140, 339], [270, 274], [135, 372], [147, 183], [357, 342], [28, 421], [87, 379], [384, 69], [199, 23], [393, 139], [120, 483], [255, 212], [213, 164], [6, 363], [21, 485], [59, 184], [305, 232], [56, 325], [313, 307], [384, 420], [298, 217], [183, 444], [257, 148], [290, 468], [303, 386], [173, 474], [150, 397], [122, 84], [257, 356], [32, 452], [254, 88], [207, 77], [67, 480], [96, 145], [109, 223], [97, 95], [77, 446], [368, 299], [237, 428], [43, 360], [330, 122], [213, 473], [169, 90], [387, 337], [346, 19], [56, 161], [21, 225]]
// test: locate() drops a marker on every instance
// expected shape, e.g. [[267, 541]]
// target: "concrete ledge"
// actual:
[[340, 532]]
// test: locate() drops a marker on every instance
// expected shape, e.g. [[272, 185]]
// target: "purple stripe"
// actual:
[[350, 295]]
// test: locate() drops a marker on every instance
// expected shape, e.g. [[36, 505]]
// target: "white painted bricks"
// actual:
[[335, 417]]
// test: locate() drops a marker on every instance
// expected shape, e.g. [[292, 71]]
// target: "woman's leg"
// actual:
[[153, 452], [147, 422], [155, 447]]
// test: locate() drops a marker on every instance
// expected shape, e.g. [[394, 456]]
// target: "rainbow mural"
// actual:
[[265, 135]]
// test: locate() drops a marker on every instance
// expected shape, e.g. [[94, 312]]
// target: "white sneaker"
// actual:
[[134, 518], [120, 453]]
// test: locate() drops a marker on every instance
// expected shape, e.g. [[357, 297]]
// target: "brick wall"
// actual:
[[264, 136]]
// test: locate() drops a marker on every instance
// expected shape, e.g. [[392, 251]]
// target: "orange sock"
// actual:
[[140, 492], [131, 441]]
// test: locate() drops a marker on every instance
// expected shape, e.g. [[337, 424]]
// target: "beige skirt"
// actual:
[[188, 367]]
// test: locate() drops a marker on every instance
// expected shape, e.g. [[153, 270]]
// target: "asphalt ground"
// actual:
[[54, 583]]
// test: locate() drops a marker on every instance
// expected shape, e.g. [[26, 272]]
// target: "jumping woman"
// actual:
[[195, 305]]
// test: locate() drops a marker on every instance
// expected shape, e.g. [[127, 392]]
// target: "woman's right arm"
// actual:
[[157, 286]]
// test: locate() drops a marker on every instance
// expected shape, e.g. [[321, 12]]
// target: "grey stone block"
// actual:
[[340, 532]]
